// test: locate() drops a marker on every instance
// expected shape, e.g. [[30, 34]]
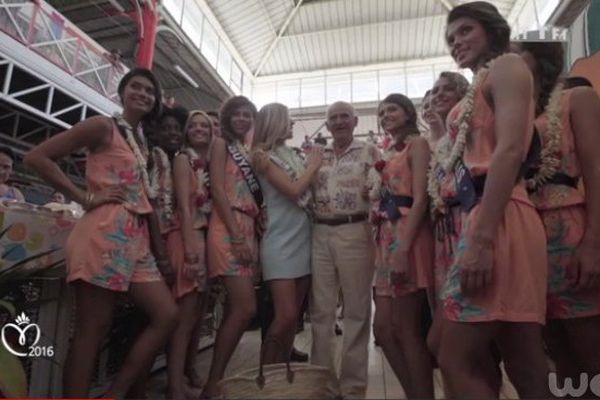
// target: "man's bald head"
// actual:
[[341, 122], [340, 105]]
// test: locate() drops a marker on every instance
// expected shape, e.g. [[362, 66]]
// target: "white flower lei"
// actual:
[[441, 152], [201, 177], [464, 121], [141, 155], [444, 156], [162, 181], [550, 154], [292, 164]]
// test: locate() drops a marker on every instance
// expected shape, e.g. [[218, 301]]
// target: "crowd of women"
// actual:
[[493, 218]]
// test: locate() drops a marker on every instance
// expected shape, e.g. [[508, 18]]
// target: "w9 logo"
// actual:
[[569, 388]]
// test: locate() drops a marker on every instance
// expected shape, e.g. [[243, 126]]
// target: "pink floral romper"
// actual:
[[109, 246]]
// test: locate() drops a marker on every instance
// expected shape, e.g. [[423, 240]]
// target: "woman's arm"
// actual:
[[221, 204], [511, 91], [585, 119], [419, 164], [282, 182], [217, 187], [92, 134], [181, 177], [157, 244]]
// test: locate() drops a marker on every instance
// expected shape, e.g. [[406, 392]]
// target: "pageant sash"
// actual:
[[248, 173]]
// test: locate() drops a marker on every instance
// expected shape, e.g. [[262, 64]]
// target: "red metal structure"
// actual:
[[146, 18]]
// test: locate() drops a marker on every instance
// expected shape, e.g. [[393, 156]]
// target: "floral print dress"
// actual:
[[517, 292], [109, 246], [562, 209], [221, 261], [396, 178]]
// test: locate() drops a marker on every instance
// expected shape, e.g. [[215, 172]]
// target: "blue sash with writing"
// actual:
[[248, 173]]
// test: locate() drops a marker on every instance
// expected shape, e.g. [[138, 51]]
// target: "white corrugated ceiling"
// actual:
[[323, 34]]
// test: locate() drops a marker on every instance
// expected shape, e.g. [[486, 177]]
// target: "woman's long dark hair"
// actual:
[[495, 26], [409, 108], [549, 58], [146, 73], [227, 110]]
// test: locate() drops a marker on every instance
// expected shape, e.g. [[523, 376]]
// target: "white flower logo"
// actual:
[[22, 325]]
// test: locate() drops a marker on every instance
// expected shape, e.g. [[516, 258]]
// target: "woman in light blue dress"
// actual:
[[285, 247]]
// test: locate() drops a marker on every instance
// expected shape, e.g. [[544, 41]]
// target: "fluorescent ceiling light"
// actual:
[[186, 77], [117, 6]]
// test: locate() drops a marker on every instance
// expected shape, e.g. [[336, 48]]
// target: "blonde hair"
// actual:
[[271, 126], [191, 115]]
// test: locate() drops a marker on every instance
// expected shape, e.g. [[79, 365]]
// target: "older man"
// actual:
[[342, 254]]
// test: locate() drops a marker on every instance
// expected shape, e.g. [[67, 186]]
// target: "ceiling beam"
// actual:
[[345, 28], [349, 69], [279, 35], [515, 11], [447, 4], [205, 87]]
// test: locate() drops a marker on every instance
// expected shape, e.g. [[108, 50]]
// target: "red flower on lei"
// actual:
[[380, 165], [197, 164], [201, 199]]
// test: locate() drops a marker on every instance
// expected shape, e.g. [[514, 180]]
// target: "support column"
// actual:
[[147, 24]]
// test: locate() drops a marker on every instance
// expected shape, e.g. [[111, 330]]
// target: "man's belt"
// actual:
[[341, 219]]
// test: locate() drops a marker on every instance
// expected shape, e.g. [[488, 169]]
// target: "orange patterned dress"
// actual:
[[174, 240], [446, 228], [517, 292], [109, 246], [221, 261], [396, 178], [562, 209]]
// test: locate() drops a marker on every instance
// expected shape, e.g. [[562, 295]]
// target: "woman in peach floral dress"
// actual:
[[495, 289], [232, 240], [404, 248], [108, 251], [568, 122], [447, 91]]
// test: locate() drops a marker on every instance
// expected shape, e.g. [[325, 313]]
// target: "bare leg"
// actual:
[[434, 341], [283, 327], [384, 334], [434, 337], [154, 298], [179, 343], [559, 349], [407, 329], [522, 349], [94, 310], [302, 285], [195, 379], [584, 339], [241, 310], [465, 358]]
